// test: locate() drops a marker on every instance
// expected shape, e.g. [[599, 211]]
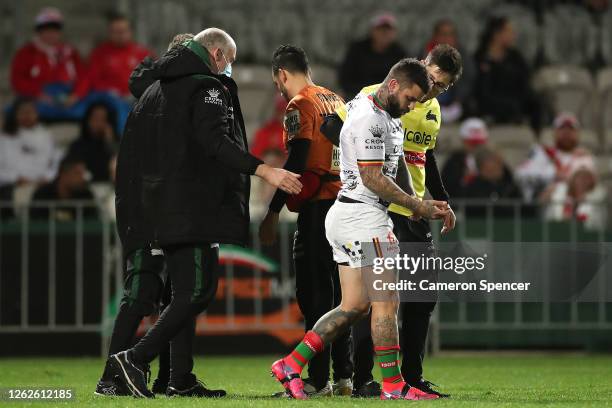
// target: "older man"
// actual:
[[182, 187]]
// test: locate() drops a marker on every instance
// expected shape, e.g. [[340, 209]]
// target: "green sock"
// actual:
[[388, 360]]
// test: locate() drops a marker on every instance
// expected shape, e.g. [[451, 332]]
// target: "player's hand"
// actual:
[[449, 221], [268, 228], [280, 178], [432, 209]]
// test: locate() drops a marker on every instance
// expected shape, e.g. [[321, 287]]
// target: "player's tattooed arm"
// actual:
[[403, 179], [385, 188], [336, 322]]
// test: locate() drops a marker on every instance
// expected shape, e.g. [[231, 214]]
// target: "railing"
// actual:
[[66, 276]]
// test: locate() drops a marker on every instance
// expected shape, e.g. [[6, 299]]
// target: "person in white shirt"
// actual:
[[27, 151], [548, 165]]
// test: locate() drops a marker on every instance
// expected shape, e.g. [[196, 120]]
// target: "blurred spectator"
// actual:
[[95, 143], [451, 101], [493, 182], [579, 198], [502, 88], [368, 61], [268, 140], [547, 164], [109, 67], [46, 68], [27, 151], [70, 184], [460, 168]]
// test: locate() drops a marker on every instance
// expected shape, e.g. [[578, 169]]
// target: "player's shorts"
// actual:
[[358, 233]]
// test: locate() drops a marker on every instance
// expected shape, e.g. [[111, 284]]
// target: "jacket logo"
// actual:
[[215, 93], [431, 116], [213, 97]]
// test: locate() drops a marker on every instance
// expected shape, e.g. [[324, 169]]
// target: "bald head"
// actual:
[[220, 45]]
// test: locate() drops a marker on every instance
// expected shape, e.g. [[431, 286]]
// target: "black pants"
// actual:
[[318, 289], [415, 315], [193, 271]]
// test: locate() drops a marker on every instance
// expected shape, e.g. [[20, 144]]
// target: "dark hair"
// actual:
[[290, 58], [114, 16], [179, 39], [110, 115], [68, 162], [410, 71], [494, 25], [448, 59], [10, 118]]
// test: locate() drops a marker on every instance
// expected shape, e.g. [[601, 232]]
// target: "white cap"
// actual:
[[474, 130]]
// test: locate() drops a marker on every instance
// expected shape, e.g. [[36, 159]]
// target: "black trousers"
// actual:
[[415, 316], [193, 272], [318, 289]]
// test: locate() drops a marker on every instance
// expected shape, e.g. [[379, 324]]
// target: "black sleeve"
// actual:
[[433, 180], [212, 130], [331, 127], [141, 77], [296, 163]]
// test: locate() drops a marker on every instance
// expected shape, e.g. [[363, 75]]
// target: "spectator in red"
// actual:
[[268, 142], [109, 67], [46, 68]]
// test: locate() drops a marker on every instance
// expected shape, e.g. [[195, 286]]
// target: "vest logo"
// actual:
[[431, 116], [417, 137]]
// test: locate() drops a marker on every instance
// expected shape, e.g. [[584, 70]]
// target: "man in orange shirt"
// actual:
[[317, 160]]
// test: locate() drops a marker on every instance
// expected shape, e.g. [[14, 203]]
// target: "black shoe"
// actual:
[[134, 376], [111, 388], [192, 387], [159, 386], [425, 386], [370, 389]]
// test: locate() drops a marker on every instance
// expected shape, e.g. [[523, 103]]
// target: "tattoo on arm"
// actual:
[[335, 322], [385, 188], [403, 179]]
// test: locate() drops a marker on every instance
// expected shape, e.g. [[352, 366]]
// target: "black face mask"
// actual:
[[393, 107]]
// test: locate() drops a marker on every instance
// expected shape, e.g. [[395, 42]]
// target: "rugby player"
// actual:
[[421, 126], [371, 163], [317, 160]]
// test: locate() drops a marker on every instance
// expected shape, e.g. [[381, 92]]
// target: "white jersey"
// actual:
[[369, 137]]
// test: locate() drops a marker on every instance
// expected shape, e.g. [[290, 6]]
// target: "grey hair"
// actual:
[[215, 38]]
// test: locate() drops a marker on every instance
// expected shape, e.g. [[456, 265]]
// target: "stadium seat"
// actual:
[[325, 76], [511, 136], [22, 196], [513, 155], [569, 35], [64, 133], [604, 89], [448, 138], [569, 88]]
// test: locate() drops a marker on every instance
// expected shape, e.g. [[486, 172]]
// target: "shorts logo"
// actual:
[[213, 97], [354, 251]]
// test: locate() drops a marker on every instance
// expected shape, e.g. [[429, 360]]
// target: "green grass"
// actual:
[[473, 380]]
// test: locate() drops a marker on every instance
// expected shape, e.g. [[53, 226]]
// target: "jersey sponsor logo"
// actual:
[[213, 97], [376, 131], [292, 123], [417, 137], [431, 116]]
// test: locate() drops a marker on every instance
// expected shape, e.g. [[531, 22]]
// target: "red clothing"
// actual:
[[109, 68], [36, 65], [268, 137]]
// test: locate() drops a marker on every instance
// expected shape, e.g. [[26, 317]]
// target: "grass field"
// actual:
[[509, 380]]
